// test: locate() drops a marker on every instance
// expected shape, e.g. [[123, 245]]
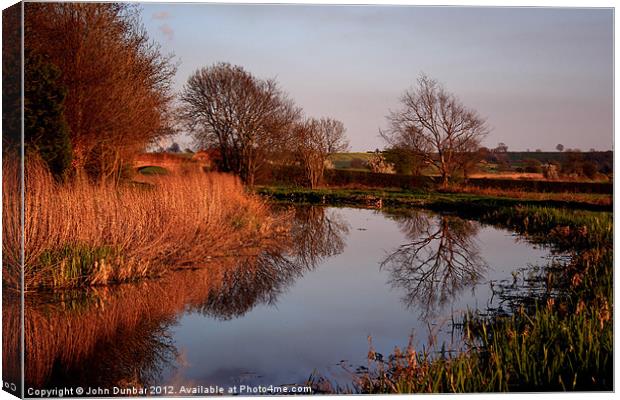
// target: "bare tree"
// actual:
[[315, 139], [435, 125], [246, 118], [501, 148]]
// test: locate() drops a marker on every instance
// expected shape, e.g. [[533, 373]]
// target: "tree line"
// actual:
[[250, 125], [98, 90], [254, 124]]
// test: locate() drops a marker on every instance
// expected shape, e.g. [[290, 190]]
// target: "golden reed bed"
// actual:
[[82, 234]]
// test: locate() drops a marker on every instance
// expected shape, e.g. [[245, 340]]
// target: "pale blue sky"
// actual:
[[540, 76]]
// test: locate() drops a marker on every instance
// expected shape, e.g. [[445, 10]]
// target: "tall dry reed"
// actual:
[[80, 233]]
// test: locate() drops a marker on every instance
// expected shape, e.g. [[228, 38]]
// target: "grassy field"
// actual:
[[343, 160], [515, 159]]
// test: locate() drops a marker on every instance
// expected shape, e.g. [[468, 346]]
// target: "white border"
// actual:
[[475, 3]]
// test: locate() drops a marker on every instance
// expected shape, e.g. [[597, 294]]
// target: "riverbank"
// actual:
[[80, 233], [433, 199], [556, 335], [558, 332]]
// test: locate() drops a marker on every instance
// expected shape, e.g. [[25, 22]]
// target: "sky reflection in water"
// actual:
[[350, 274], [375, 286]]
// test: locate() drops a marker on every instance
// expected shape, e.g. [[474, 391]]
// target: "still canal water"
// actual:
[[275, 319]]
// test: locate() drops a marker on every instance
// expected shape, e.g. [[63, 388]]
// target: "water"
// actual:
[[350, 274]]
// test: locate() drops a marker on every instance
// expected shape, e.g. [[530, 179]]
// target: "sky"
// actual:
[[540, 76]]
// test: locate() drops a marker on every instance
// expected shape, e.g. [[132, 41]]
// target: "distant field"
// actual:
[[512, 156], [344, 160], [516, 159], [358, 162]]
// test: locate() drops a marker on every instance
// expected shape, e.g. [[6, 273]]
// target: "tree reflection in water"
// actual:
[[440, 260], [119, 335], [316, 233]]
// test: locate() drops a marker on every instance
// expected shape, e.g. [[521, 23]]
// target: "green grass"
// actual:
[[70, 265], [543, 350], [565, 229], [343, 160]]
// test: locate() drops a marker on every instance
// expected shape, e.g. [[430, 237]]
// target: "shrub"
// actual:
[[589, 169], [404, 161], [378, 163], [503, 165], [374, 179], [45, 129], [533, 166], [550, 171]]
